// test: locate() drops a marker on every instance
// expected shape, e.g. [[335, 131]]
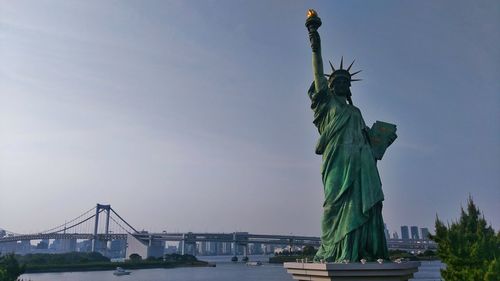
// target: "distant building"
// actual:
[[227, 248], [212, 248], [219, 248], [386, 232], [63, 245], [8, 247], [43, 245], [395, 235], [414, 233], [405, 234], [256, 249], [425, 232], [116, 249], [170, 250], [84, 246], [202, 250], [268, 249], [179, 247], [23, 247]]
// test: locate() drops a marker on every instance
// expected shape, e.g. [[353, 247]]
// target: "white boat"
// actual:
[[120, 271], [254, 263]]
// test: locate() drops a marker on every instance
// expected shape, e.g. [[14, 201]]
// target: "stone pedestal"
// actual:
[[370, 271]]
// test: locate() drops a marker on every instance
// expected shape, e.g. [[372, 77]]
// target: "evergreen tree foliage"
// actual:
[[9, 268], [469, 247]]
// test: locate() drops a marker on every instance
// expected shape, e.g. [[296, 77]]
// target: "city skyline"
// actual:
[[193, 116]]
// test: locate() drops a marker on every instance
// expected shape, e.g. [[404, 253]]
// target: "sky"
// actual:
[[193, 115]]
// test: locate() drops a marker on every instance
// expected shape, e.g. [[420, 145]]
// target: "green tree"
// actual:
[[135, 257], [308, 251], [469, 247], [10, 268]]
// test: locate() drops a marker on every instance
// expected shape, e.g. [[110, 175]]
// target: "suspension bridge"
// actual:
[[102, 223]]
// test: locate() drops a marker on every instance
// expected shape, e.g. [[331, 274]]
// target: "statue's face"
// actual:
[[340, 86]]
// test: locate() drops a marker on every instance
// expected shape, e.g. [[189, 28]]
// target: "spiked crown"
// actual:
[[341, 72]]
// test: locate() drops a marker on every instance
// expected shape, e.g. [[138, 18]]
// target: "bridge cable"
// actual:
[[124, 221], [51, 230], [119, 225], [76, 224]]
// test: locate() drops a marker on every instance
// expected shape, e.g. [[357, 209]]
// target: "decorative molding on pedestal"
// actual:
[[370, 271]]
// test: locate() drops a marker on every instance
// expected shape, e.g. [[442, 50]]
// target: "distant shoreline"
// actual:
[[104, 266]]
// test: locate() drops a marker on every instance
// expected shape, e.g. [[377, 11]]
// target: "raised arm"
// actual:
[[313, 22]]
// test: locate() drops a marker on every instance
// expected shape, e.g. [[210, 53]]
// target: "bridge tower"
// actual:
[[99, 208], [188, 242]]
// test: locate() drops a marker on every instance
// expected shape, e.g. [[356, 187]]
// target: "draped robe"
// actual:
[[352, 224]]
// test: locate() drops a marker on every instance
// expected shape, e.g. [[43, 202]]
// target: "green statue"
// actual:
[[352, 224]]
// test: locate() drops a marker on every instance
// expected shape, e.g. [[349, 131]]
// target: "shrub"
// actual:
[[469, 247]]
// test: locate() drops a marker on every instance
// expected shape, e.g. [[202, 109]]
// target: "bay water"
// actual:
[[224, 271]]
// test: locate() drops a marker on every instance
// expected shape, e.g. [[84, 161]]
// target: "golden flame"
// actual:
[[311, 13]]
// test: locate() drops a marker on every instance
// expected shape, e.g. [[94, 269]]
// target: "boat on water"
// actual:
[[120, 271], [254, 263]]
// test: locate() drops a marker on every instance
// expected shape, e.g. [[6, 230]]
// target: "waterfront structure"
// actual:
[[352, 271], [405, 234]]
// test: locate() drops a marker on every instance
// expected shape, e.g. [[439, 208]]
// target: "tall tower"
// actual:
[[405, 234], [414, 232], [425, 232], [386, 232]]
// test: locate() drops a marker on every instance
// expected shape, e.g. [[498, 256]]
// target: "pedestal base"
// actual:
[[370, 271]]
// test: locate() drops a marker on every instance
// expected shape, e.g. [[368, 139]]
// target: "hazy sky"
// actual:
[[193, 115]]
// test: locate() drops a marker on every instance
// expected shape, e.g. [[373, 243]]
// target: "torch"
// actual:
[[313, 22]]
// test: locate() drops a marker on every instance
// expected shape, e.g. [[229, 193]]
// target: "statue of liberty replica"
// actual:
[[352, 224]]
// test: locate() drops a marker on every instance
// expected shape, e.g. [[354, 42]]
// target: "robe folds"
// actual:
[[352, 224]]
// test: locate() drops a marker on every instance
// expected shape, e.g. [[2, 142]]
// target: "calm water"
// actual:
[[225, 271]]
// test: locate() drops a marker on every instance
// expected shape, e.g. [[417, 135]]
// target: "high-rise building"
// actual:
[[425, 232], [386, 232], [43, 245], [395, 235], [405, 234], [414, 232]]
